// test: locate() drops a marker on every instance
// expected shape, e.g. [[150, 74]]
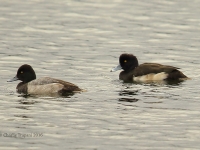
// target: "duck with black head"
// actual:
[[42, 86], [132, 71]]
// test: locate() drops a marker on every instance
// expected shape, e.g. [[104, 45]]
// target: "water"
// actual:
[[80, 41]]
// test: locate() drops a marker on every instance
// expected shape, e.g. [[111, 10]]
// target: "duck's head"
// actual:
[[127, 62], [25, 73]]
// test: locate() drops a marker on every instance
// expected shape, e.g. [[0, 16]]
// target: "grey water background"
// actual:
[[80, 41]]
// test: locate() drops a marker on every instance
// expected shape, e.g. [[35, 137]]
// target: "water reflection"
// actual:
[[131, 95], [27, 102], [22, 116], [128, 99], [65, 39], [128, 96], [128, 93], [52, 95]]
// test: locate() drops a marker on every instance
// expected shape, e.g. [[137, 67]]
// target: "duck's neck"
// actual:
[[30, 77], [22, 88], [135, 64], [130, 69]]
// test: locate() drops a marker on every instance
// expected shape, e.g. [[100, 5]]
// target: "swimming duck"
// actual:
[[42, 86], [147, 71]]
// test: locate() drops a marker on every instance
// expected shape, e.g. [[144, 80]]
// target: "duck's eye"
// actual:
[[21, 72], [125, 61]]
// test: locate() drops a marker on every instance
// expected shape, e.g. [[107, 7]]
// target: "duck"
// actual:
[[132, 71], [41, 86]]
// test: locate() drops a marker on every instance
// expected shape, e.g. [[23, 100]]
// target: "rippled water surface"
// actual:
[[80, 41]]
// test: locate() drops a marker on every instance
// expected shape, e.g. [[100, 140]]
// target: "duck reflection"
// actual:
[[128, 100], [53, 95], [25, 102], [127, 95], [130, 95]]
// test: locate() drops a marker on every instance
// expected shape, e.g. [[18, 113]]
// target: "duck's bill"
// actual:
[[116, 68], [13, 79]]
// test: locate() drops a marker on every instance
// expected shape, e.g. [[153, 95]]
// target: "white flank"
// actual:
[[151, 77]]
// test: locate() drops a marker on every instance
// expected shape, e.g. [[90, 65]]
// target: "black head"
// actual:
[[25, 73], [128, 62]]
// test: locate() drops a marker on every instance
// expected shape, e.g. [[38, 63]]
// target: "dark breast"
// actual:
[[22, 88], [126, 76]]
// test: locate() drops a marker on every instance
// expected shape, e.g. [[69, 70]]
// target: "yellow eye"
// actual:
[[125, 61], [22, 72]]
